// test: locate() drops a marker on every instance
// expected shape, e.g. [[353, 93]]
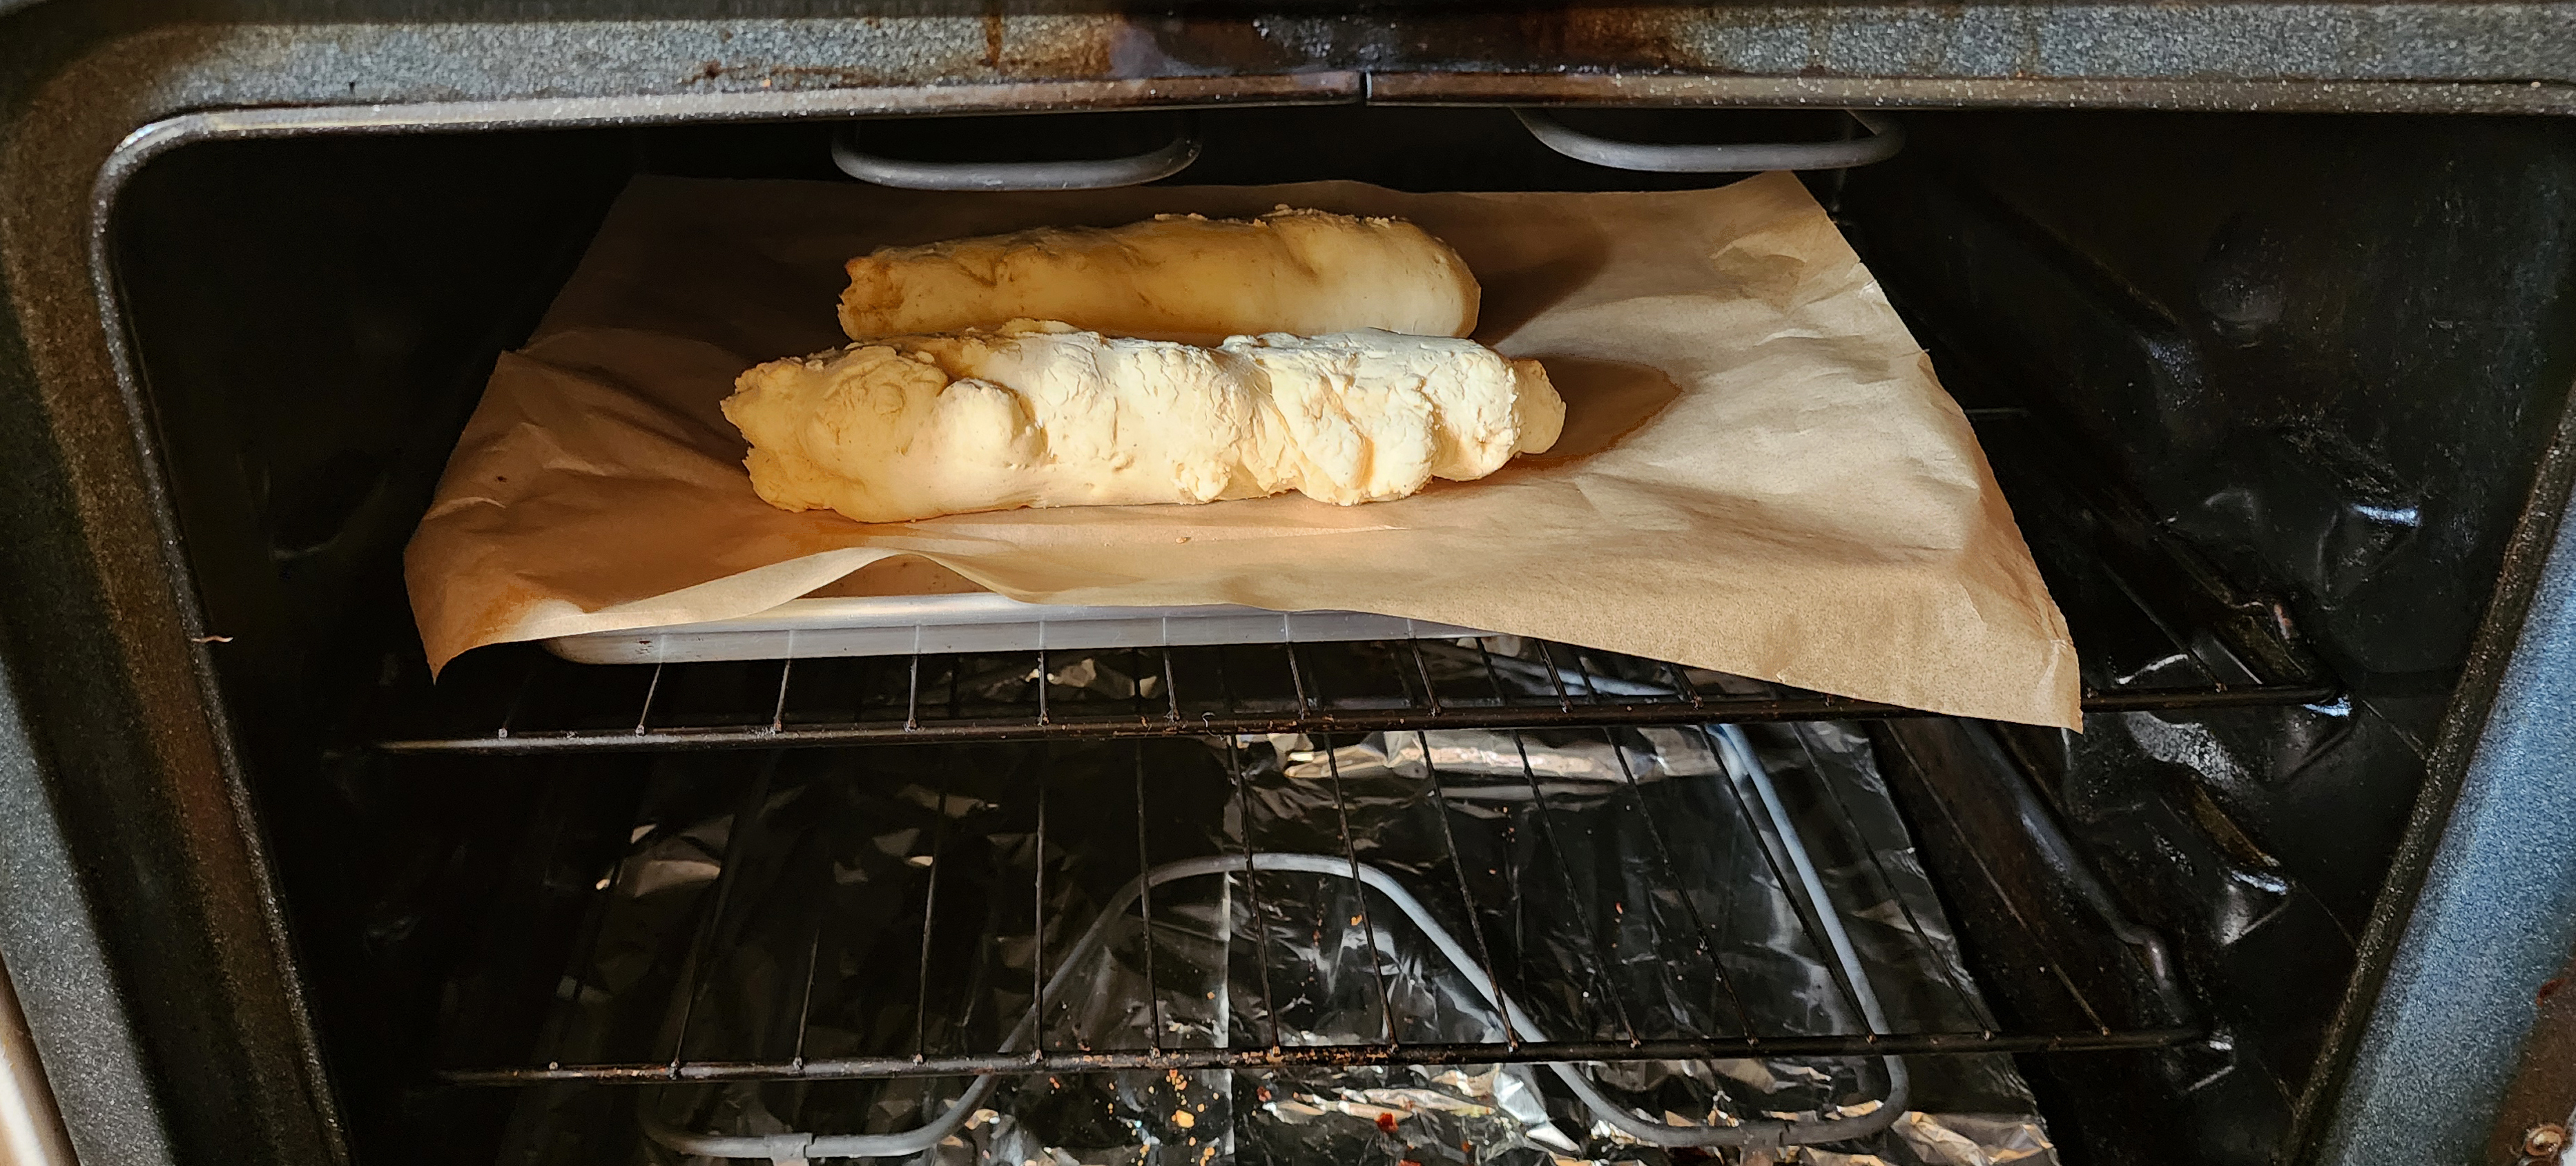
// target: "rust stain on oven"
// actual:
[[1554, 39], [2543, 1087], [1012, 47], [785, 76], [1049, 48], [1626, 38], [1205, 45], [1085, 49]]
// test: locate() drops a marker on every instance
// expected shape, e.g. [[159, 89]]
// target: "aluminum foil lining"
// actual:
[[1615, 880]]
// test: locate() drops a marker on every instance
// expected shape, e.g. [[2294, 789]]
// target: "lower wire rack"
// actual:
[[1557, 897], [1773, 1131]]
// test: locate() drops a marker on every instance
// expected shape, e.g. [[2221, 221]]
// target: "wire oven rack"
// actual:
[[525, 701], [2157, 628], [1656, 974], [1658, 971]]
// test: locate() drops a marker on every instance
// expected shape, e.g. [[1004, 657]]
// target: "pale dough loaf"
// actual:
[[1174, 277], [1040, 414]]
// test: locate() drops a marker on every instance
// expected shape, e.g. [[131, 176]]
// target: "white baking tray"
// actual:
[[812, 628]]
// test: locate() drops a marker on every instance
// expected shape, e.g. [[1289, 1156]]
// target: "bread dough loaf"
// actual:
[[1040, 414], [1174, 277]]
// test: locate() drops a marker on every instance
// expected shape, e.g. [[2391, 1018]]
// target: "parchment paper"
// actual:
[[1760, 474]]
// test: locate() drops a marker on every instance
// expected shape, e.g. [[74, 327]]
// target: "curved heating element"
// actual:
[[1885, 138], [1742, 767], [1086, 174]]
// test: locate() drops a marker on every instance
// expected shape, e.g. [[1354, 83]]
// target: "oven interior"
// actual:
[[2267, 393]]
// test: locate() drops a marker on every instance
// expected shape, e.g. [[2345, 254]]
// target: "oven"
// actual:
[[2261, 313]]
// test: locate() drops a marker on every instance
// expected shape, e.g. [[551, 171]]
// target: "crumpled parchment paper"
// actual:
[[1760, 473]]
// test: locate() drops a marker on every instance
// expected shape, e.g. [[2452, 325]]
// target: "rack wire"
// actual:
[[1659, 974], [2156, 627], [525, 701]]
